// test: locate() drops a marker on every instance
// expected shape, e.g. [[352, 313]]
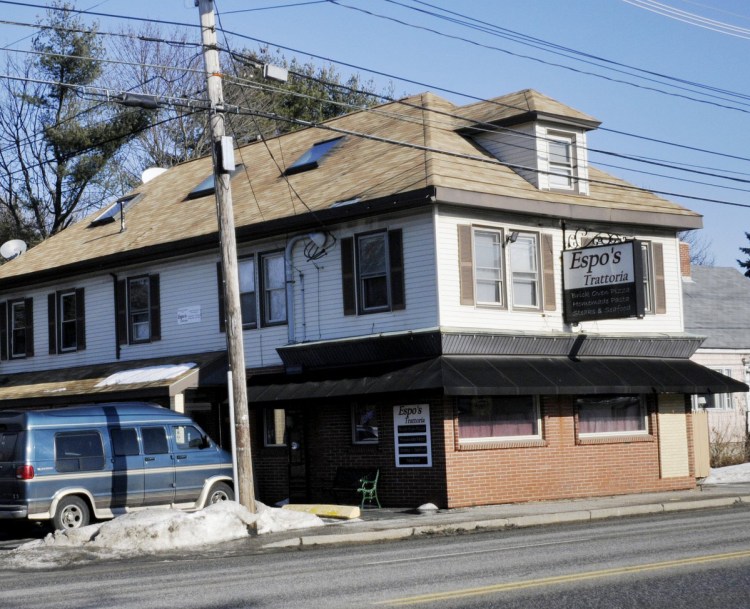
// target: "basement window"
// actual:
[[311, 159]]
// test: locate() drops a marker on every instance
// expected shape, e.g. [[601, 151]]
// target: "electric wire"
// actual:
[[627, 134], [384, 74]]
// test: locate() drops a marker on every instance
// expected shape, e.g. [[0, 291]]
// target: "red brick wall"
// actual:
[[561, 468]]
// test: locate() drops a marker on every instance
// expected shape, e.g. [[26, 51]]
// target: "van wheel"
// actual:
[[220, 491], [72, 513]]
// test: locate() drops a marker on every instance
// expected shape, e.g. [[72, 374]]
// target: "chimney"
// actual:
[[685, 260]]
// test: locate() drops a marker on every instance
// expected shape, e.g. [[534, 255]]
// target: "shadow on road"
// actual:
[[18, 530]]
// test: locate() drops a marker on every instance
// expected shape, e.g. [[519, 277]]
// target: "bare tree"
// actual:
[[700, 248], [54, 143]]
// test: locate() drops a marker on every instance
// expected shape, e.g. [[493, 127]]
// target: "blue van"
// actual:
[[70, 465]]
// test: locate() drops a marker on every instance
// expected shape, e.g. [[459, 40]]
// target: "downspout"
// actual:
[[117, 324], [289, 278]]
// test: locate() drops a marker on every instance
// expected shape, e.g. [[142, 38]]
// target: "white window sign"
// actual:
[[188, 315], [411, 430]]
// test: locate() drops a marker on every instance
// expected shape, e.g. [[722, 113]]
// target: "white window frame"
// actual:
[[248, 288], [562, 175], [488, 439], [272, 291], [12, 329], [719, 401], [526, 277], [63, 297], [637, 432], [498, 271], [363, 276], [139, 318]]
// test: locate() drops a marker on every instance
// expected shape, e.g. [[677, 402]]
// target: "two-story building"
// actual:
[[416, 296]]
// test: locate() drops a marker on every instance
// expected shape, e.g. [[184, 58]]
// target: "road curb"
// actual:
[[505, 523]]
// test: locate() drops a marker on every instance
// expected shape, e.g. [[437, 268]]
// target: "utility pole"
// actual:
[[222, 150]]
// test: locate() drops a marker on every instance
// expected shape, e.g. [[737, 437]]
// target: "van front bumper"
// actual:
[[13, 511]]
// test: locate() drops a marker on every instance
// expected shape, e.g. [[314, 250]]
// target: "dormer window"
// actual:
[[561, 155]]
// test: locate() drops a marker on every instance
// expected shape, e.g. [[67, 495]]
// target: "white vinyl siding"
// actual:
[[455, 315], [516, 146]]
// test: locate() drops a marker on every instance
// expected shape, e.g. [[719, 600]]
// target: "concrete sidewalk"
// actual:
[[394, 523]]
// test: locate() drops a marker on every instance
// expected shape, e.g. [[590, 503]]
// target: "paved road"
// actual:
[[691, 560]]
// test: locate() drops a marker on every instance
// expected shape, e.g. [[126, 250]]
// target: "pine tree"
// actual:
[[55, 143]]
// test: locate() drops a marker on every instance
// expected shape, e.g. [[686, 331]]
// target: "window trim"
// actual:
[[248, 325], [265, 291], [614, 434], [727, 403], [8, 330], [538, 273], [124, 313], [567, 137], [395, 275], [133, 312], [500, 233], [54, 300], [362, 307], [489, 440]]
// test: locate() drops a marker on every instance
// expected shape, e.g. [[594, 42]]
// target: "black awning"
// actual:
[[501, 375]]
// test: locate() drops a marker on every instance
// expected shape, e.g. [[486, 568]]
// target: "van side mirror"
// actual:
[[200, 443]]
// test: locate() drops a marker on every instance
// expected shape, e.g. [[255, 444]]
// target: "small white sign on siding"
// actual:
[[188, 315], [411, 430]]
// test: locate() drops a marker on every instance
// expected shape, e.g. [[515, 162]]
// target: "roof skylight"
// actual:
[[110, 213], [311, 158], [207, 186]]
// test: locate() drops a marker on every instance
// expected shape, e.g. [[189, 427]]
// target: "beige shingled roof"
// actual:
[[521, 103], [395, 148]]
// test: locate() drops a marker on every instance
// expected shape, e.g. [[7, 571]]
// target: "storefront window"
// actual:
[[498, 417], [364, 424], [611, 414]]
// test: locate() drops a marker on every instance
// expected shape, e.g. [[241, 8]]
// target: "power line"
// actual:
[[387, 75], [542, 61], [691, 18]]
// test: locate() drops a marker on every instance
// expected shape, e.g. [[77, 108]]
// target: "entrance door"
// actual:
[[295, 429]]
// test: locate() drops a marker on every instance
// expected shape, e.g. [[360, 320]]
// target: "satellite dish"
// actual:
[[150, 173], [13, 248]]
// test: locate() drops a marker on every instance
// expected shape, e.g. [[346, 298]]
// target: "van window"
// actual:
[[78, 451], [124, 442], [8, 445], [154, 440], [187, 437]]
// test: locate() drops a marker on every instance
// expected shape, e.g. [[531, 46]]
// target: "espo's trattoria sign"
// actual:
[[603, 282]]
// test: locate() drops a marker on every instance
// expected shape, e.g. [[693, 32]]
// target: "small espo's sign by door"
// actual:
[[411, 430], [603, 282]]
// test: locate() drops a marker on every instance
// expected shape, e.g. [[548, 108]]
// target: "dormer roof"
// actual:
[[525, 106]]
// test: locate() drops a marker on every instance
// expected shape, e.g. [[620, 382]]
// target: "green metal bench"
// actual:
[[359, 482], [369, 490]]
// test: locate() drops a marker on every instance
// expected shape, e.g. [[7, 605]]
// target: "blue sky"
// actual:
[[463, 64]]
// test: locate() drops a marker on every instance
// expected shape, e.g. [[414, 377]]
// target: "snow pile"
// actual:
[[730, 474], [156, 530], [149, 374]]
